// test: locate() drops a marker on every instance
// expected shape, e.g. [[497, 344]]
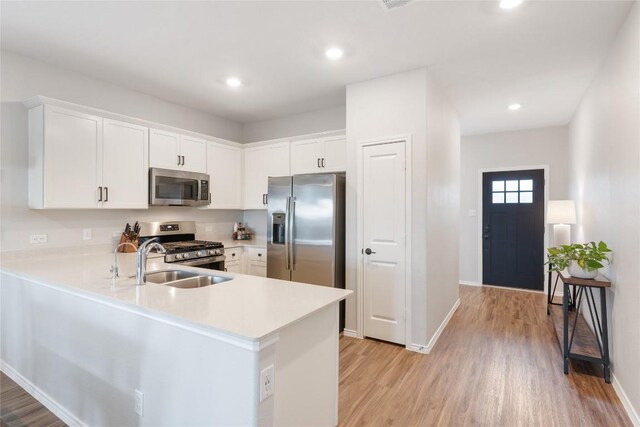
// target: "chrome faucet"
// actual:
[[114, 267], [141, 258]]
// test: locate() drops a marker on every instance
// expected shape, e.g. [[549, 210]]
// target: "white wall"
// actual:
[[298, 124], [535, 147], [389, 107], [604, 150], [22, 78]]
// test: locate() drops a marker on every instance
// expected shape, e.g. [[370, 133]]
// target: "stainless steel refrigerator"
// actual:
[[305, 233]]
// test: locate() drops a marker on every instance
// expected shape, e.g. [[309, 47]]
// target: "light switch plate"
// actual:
[[87, 234], [38, 238]]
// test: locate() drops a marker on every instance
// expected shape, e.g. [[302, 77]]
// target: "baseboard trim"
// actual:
[[350, 333], [443, 325], [42, 397], [506, 288], [418, 348], [631, 412], [469, 283]]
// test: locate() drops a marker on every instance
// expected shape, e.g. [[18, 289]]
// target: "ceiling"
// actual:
[[542, 54]]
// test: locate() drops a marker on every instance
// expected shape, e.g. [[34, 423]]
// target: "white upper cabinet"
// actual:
[[224, 166], [125, 176], [319, 155], [335, 154], [170, 150], [259, 164], [65, 150], [82, 161], [164, 149], [194, 154], [306, 156]]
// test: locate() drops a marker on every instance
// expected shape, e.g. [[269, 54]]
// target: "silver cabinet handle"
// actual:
[[323, 164], [178, 160], [100, 191], [106, 194], [319, 163], [182, 160]]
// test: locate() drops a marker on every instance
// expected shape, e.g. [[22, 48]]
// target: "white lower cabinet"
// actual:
[[248, 260], [257, 268]]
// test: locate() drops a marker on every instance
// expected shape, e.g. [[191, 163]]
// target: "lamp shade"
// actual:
[[561, 212]]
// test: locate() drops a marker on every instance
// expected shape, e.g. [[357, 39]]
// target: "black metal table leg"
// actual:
[[605, 336], [565, 315]]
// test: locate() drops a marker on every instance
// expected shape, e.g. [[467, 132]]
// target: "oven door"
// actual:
[[211, 263], [177, 188]]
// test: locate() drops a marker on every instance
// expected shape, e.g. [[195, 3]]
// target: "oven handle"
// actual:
[[201, 261]]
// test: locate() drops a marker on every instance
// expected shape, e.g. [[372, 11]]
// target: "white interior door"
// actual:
[[383, 211]]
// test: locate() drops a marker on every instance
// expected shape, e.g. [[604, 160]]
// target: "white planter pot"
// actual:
[[581, 273]]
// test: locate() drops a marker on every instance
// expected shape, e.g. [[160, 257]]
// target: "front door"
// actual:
[[513, 229], [384, 241]]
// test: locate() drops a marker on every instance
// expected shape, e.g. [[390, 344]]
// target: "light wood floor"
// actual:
[[497, 363], [19, 409]]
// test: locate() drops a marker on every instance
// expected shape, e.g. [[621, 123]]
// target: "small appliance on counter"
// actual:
[[240, 232], [179, 240]]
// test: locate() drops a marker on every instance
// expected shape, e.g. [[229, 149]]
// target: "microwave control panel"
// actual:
[[204, 189]]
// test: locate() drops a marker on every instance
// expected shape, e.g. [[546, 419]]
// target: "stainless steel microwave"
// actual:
[[178, 188]]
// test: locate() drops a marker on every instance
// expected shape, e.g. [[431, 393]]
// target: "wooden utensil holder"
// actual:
[[126, 248]]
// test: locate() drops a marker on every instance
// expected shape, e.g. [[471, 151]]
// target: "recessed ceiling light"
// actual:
[[334, 53], [234, 82], [510, 4], [514, 107]]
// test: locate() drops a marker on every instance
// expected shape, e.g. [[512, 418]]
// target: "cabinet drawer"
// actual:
[[233, 254], [257, 254]]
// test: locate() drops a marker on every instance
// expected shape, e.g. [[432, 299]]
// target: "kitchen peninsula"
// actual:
[[248, 351]]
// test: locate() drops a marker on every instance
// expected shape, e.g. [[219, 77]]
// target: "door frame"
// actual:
[[406, 140], [481, 171]]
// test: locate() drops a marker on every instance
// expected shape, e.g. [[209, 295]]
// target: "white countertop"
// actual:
[[247, 307]]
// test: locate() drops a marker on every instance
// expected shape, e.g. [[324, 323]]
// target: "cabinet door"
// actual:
[[72, 159], [255, 181], [125, 175], [164, 148], [194, 154], [255, 268], [277, 160], [232, 266], [335, 154], [224, 166], [306, 156]]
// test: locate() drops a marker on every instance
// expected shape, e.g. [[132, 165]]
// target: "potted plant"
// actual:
[[582, 260]]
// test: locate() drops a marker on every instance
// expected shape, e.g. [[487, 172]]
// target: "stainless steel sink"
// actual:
[[183, 279], [166, 276], [197, 282]]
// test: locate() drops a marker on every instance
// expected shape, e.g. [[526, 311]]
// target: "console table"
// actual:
[[577, 339]]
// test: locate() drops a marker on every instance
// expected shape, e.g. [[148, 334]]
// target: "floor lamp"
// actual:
[[561, 213]]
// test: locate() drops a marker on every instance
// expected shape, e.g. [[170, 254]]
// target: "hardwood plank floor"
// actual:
[[18, 408], [497, 363]]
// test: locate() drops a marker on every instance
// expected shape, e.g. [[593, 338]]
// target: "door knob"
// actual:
[[368, 251]]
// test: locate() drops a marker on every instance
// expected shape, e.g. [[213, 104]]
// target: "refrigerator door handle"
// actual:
[[292, 222], [287, 252]]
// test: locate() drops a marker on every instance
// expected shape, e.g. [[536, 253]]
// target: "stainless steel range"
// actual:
[[179, 240]]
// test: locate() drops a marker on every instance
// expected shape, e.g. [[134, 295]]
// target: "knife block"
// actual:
[[126, 248]]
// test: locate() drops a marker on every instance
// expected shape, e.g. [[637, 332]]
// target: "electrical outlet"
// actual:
[[267, 382], [87, 234], [472, 212], [38, 238], [139, 402]]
